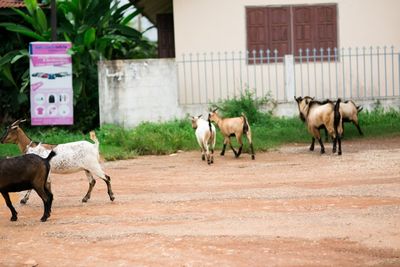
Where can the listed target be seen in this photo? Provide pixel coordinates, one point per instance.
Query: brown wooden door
(325, 27)
(280, 30)
(268, 28)
(166, 39)
(303, 25)
(257, 32)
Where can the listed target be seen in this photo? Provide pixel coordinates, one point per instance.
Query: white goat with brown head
(236, 126)
(206, 136)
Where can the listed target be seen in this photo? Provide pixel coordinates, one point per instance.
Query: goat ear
(199, 116)
(215, 109)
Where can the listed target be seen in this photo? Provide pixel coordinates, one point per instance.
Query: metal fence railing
(349, 73)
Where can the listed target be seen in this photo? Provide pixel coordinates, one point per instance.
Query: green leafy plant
(248, 104)
(97, 30)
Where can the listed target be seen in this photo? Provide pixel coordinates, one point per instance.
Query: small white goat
(71, 157)
(206, 136)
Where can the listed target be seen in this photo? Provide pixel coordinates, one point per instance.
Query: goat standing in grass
(317, 114)
(206, 136)
(350, 111)
(233, 127)
(71, 157)
(23, 173)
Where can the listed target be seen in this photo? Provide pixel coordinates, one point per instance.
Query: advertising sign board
(51, 83)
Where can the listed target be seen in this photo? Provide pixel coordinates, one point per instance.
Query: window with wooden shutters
(290, 28)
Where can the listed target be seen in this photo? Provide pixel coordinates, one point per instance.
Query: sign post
(51, 83)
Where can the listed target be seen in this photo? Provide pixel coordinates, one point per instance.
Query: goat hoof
(311, 149)
(340, 153)
(84, 199)
(23, 201)
(43, 219)
(13, 218)
(112, 198)
(253, 157)
(322, 152)
(203, 157)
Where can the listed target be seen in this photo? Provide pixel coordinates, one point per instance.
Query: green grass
(268, 133)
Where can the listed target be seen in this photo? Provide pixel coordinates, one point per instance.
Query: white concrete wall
(134, 91)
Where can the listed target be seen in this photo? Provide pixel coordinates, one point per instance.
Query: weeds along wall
(134, 91)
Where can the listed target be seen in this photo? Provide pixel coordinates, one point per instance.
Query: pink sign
(51, 83)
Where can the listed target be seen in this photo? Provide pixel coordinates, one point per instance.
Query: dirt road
(289, 207)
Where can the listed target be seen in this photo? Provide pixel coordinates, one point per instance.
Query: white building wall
(220, 25)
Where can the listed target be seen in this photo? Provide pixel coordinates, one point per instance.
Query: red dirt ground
(289, 207)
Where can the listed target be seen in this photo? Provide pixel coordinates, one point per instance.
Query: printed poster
(51, 83)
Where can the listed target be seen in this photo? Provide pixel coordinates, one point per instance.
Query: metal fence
(349, 73)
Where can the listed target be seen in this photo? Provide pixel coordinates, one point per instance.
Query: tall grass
(164, 138)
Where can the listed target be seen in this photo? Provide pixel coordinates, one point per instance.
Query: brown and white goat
(23, 173)
(350, 111)
(71, 157)
(322, 114)
(206, 136)
(236, 126)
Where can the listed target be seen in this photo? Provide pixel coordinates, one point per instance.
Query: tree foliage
(97, 29)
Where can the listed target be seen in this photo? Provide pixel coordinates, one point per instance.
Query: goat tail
(50, 156)
(94, 138)
(337, 117)
(245, 124)
(209, 124)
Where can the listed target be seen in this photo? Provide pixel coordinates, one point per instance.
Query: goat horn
(200, 116)
(17, 122)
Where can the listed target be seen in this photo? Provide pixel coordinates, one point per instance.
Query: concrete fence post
(289, 78)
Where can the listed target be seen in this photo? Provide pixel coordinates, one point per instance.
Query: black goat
(26, 172)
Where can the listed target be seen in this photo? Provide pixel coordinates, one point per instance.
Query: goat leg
(234, 151)
(322, 146)
(252, 151)
(334, 145)
(89, 192)
(239, 151)
(223, 150)
(312, 144)
(109, 190)
(14, 213)
(47, 198)
(26, 197)
(340, 146)
(359, 129)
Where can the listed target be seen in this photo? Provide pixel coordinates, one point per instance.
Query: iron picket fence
(349, 73)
